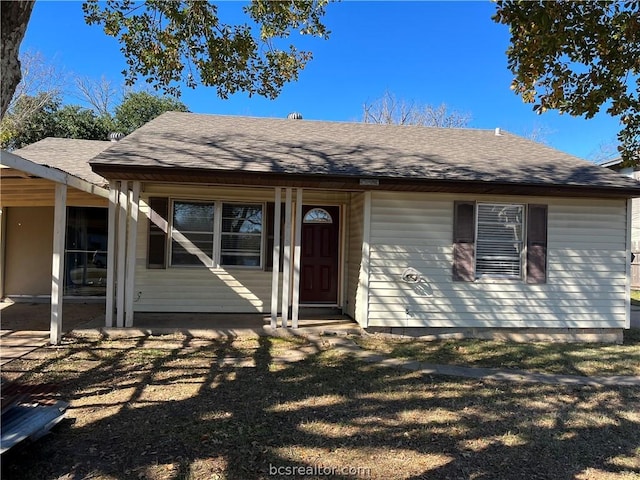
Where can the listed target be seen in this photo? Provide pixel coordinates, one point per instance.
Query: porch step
(313, 312)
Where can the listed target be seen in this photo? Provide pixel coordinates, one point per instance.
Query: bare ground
(178, 407)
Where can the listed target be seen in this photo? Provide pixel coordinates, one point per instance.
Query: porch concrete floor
(213, 325)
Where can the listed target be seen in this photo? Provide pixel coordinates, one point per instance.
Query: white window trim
(502, 277)
(217, 234)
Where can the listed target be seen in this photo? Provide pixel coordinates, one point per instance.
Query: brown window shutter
(268, 252)
(269, 219)
(158, 232)
(537, 244)
(464, 226)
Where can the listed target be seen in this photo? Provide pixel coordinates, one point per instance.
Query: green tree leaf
(169, 42)
(138, 108)
(578, 58)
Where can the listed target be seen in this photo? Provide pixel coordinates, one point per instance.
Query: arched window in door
(317, 215)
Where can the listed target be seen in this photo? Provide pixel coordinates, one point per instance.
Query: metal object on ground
(28, 412)
(29, 421)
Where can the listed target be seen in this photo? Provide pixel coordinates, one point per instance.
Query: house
(53, 220)
(404, 228)
(616, 165)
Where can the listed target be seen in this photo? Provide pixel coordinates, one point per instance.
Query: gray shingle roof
(67, 154)
(266, 145)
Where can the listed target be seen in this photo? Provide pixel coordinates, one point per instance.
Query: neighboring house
(406, 229)
(633, 172)
(53, 214)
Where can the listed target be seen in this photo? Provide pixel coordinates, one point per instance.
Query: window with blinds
(241, 239)
(499, 240)
(216, 233)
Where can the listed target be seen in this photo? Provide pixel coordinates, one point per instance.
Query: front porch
(203, 250)
(215, 325)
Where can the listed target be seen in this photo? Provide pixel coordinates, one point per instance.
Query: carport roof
(69, 155)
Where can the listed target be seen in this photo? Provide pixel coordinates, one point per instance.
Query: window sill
(217, 267)
(498, 280)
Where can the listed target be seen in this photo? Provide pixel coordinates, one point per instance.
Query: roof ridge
(339, 122)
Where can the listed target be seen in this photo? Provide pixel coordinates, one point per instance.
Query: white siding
(202, 289)
(354, 251)
(199, 289)
(635, 220)
(586, 267)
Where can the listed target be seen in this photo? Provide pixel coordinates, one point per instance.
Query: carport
(50, 177)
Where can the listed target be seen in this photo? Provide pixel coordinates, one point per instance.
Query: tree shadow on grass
(188, 408)
(585, 359)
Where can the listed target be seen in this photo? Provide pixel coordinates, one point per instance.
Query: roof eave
(358, 183)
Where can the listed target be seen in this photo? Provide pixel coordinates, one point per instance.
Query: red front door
(320, 246)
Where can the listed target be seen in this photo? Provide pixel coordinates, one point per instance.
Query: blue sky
(426, 52)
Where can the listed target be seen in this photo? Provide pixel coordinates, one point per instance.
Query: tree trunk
(15, 17)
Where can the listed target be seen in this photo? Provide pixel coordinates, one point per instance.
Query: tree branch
(15, 17)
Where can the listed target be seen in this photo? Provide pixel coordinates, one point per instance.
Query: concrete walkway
(334, 334)
(17, 343)
(24, 327)
(347, 346)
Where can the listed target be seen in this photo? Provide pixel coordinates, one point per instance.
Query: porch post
(121, 250)
(3, 247)
(286, 267)
(275, 276)
(132, 235)
(57, 266)
(296, 260)
(362, 297)
(111, 253)
(627, 286)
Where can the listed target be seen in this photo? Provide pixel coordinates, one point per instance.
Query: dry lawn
(588, 359)
(183, 408)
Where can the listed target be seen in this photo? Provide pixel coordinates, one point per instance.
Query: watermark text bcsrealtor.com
(299, 471)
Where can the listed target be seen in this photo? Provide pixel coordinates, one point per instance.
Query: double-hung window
(241, 238)
(192, 233)
(216, 233)
(499, 241)
(503, 241)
